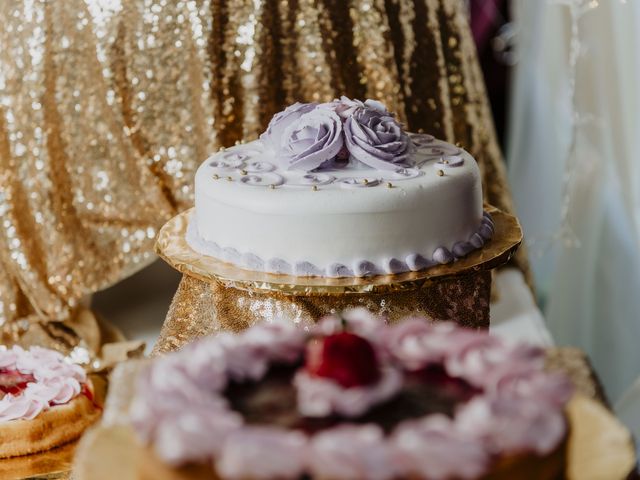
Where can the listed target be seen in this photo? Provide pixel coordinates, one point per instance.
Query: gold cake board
(599, 446)
(172, 246)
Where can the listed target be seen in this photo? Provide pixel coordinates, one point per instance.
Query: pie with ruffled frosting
(352, 397)
(45, 401)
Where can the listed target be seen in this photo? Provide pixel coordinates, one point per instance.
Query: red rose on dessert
(346, 358)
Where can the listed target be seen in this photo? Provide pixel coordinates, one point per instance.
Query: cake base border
(172, 247)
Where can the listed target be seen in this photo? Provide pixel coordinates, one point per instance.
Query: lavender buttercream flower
(372, 135)
(346, 107)
(315, 138)
(272, 137)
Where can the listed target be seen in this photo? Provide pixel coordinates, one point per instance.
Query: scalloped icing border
(362, 268)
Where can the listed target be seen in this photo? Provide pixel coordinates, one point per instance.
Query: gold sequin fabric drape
(201, 308)
(108, 107)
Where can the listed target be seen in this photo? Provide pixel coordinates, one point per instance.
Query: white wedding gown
(590, 288)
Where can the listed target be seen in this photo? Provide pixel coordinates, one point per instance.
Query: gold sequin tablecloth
(214, 295)
(107, 109)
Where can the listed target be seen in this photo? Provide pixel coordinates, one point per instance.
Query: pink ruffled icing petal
(433, 448)
(416, 343)
(12, 410)
(522, 382)
(510, 426)
(320, 397)
(353, 452)
(55, 381)
(66, 389)
(280, 341)
(8, 359)
(263, 453)
(194, 435)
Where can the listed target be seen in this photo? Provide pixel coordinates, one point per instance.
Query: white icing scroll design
(256, 166)
(402, 174)
(450, 161)
(266, 179)
(311, 179)
(353, 182)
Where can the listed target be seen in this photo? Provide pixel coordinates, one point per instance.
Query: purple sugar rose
(306, 135)
(272, 137)
(313, 139)
(373, 136)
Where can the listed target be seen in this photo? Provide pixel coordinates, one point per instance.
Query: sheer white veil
(574, 166)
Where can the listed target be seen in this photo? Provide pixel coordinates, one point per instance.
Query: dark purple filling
(272, 401)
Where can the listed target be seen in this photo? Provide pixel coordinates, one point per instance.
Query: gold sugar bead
(440, 173)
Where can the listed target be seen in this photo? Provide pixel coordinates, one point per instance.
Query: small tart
(54, 427)
(45, 401)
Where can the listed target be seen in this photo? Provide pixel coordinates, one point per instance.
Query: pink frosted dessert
(352, 397)
(45, 401)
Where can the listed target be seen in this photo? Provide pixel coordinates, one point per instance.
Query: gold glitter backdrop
(107, 107)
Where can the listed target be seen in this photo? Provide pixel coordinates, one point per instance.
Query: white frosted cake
(339, 189)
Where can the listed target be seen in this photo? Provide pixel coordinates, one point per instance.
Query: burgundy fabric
(487, 17)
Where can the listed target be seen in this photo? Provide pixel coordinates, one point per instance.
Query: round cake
(45, 401)
(352, 397)
(338, 189)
